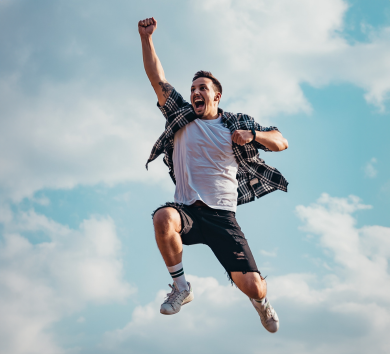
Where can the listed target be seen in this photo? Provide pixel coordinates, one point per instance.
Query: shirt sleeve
(174, 104)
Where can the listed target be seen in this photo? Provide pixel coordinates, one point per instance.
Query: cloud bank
(44, 281)
(345, 310)
(76, 107)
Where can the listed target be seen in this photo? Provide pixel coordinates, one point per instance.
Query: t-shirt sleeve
(174, 104)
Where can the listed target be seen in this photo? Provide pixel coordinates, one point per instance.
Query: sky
(79, 269)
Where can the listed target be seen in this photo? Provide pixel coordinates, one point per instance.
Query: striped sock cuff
(176, 274)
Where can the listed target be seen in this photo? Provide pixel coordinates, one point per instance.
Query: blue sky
(80, 271)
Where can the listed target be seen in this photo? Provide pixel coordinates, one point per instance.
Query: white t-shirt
(204, 163)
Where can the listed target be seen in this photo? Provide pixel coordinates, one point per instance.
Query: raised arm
(152, 64)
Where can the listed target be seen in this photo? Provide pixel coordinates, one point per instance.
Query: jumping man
(213, 159)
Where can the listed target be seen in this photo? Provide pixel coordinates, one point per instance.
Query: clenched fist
(147, 27)
(242, 137)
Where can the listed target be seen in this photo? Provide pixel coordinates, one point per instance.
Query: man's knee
(166, 220)
(257, 289)
(251, 283)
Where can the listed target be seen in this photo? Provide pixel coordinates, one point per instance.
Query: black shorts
(219, 230)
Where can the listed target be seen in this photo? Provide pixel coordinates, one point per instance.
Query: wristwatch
(254, 134)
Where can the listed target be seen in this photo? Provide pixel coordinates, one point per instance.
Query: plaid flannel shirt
(255, 178)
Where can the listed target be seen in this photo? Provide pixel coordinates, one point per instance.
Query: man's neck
(211, 116)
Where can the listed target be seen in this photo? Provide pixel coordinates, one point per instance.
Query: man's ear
(217, 96)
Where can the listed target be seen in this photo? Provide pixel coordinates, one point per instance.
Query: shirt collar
(222, 113)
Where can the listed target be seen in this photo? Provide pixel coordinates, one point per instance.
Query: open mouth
(199, 103)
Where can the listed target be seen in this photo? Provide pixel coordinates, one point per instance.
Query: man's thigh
(226, 239)
(189, 230)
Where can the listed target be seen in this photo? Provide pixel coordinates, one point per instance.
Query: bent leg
(251, 284)
(167, 227)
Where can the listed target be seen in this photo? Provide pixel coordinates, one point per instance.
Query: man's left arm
(272, 139)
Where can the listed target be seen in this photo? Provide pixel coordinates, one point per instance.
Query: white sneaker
(176, 299)
(267, 314)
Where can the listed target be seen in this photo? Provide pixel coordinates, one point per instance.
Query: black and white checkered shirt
(254, 177)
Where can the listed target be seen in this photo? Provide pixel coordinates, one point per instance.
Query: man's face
(204, 99)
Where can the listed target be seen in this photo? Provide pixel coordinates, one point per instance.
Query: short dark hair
(201, 73)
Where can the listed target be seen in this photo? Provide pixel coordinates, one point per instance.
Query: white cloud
(156, 332)
(270, 47)
(369, 170)
(41, 200)
(346, 310)
(66, 137)
(360, 283)
(43, 282)
(268, 253)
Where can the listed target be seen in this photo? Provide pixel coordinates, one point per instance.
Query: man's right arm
(152, 64)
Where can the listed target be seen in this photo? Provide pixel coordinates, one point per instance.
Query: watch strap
(254, 134)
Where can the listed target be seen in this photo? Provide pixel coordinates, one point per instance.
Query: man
(213, 160)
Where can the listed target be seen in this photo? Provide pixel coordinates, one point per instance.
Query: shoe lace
(269, 312)
(172, 295)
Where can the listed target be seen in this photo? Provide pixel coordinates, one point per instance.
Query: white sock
(261, 301)
(177, 274)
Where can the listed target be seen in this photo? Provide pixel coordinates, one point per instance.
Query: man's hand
(242, 137)
(147, 27)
